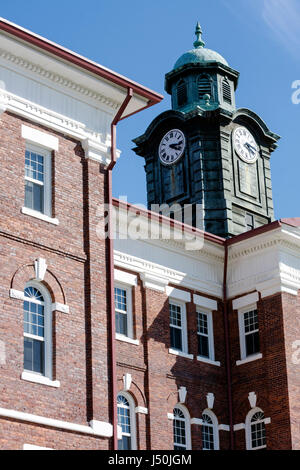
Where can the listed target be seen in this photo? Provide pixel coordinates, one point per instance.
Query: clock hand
(250, 148)
(175, 146)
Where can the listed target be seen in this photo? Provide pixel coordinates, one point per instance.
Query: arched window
(226, 89)
(204, 86)
(37, 330)
(126, 419)
(181, 428)
(210, 431)
(181, 93)
(256, 430)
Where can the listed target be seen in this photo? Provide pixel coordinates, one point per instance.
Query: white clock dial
(245, 145)
(171, 147)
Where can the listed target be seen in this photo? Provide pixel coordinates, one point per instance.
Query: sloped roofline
(78, 60)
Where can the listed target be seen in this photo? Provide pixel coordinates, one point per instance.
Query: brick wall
(76, 275)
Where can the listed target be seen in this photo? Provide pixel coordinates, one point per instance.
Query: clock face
(245, 145)
(171, 147)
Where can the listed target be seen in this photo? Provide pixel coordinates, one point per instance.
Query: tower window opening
(181, 93)
(204, 87)
(226, 91)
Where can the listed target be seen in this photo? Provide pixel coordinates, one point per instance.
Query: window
(251, 332)
(181, 93)
(123, 309)
(205, 335)
(178, 333)
(256, 430)
(210, 433)
(249, 219)
(38, 179)
(126, 419)
(37, 330)
(226, 91)
(181, 429)
(204, 87)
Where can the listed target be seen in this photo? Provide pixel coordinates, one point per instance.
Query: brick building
(186, 339)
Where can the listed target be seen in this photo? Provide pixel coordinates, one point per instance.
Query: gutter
(227, 346)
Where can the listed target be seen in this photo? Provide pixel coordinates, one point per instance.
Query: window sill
(208, 361)
(180, 353)
(39, 379)
(254, 357)
(39, 215)
(126, 339)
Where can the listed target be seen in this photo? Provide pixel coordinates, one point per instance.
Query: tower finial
(198, 33)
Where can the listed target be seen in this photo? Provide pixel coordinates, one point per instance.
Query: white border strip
(244, 301)
(178, 294)
(39, 137)
(103, 429)
(204, 302)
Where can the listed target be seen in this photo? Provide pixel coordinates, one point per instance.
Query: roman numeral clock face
(171, 147)
(245, 145)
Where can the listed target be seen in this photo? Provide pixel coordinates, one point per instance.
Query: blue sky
(142, 40)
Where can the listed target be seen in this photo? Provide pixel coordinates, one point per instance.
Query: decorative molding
(58, 79)
(125, 277)
(158, 276)
(141, 410)
(38, 137)
(127, 380)
(39, 379)
(105, 430)
(197, 421)
(210, 399)
(63, 308)
(182, 393)
(16, 294)
(208, 361)
(39, 215)
(224, 427)
(40, 267)
(239, 427)
(252, 358)
(91, 140)
(154, 282)
(252, 399)
(205, 302)
(126, 339)
(244, 301)
(180, 353)
(178, 294)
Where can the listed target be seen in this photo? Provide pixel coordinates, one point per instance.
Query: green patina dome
(200, 54)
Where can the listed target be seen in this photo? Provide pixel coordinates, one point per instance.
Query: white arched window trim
(132, 405)
(248, 428)
(214, 419)
(187, 424)
(48, 329)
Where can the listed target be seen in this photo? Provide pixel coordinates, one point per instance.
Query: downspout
(111, 300)
(227, 347)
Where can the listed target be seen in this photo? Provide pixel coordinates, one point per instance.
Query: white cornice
(57, 79)
(91, 140)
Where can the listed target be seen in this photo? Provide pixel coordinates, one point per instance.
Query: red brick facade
(76, 276)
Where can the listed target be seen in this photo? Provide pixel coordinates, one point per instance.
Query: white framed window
(38, 184)
(205, 334)
(178, 326)
(127, 421)
(256, 430)
(210, 431)
(249, 332)
(123, 310)
(181, 428)
(37, 316)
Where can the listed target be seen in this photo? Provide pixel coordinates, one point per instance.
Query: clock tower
(207, 153)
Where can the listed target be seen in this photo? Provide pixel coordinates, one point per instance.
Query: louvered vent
(204, 87)
(227, 92)
(181, 94)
